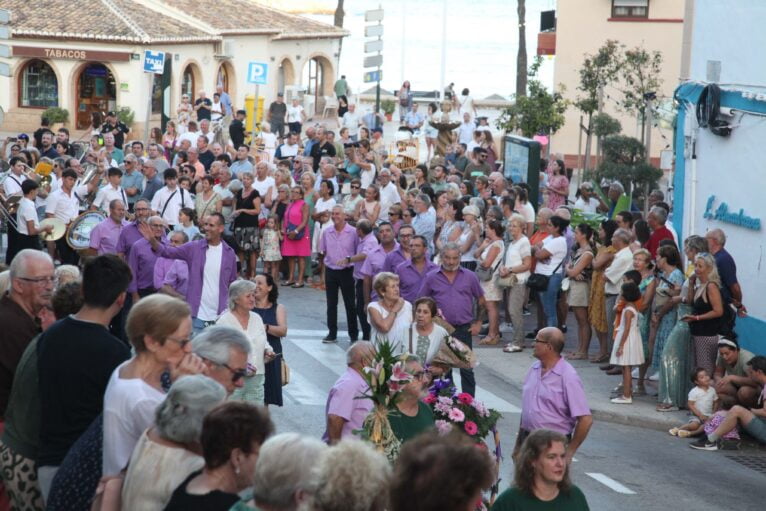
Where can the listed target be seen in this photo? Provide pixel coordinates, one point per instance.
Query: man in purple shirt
(171, 276)
(367, 243)
(553, 396)
(402, 252)
(212, 267)
(345, 411)
(455, 289)
(412, 271)
(105, 236)
(339, 244)
(130, 233)
(375, 259)
(141, 261)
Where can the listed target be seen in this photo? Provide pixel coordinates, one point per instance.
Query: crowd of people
(166, 349)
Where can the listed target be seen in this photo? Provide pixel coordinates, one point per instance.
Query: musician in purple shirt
(553, 396)
(373, 264)
(130, 233)
(412, 271)
(454, 289)
(339, 244)
(105, 236)
(212, 267)
(367, 243)
(171, 276)
(142, 258)
(400, 253)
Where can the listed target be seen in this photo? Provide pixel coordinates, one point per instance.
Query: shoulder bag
(285, 371)
(509, 281)
(486, 274)
(539, 282)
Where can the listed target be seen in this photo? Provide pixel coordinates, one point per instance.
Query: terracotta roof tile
(103, 20)
(246, 16)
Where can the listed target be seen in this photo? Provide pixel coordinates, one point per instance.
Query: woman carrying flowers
(412, 416)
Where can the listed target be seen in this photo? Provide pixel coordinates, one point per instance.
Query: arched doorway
(286, 75)
(225, 78)
(317, 78)
(191, 82)
(38, 85)
(96, 92)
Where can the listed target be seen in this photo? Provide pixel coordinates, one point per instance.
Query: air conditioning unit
(226, 49)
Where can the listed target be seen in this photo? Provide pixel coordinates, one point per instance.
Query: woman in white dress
(269, 141)
(423, 336)
(169, 450)
(240, 315)
(391, 314)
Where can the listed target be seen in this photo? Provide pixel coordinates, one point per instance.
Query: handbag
(285, 370)
(565, 284)
(506, 282)
(539, 282)
(293, 227)
(486, 274)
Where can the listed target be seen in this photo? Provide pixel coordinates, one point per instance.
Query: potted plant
(388, 106)
(56, 116)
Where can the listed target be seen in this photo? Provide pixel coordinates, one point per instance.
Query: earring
(236, 470)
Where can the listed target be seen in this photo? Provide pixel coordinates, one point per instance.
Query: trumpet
(41, 173)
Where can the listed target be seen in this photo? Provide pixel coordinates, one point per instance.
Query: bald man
(346, 409)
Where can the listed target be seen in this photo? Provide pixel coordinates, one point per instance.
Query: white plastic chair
(330, 103)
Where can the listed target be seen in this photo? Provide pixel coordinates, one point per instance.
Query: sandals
(489, 341)
(577, 356)
(600, 359)
(288, 283)
(512, 348)
(666, 408)
(297, 286)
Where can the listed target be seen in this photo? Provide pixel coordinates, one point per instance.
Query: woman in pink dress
(297, 242)
(558, 186)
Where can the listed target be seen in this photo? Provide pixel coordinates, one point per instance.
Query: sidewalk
(513, 367)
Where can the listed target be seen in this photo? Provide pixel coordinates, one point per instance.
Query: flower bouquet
(454, 353)
(453, 410)
(386, 378)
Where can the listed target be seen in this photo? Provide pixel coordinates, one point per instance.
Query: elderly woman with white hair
(67, 273)
(390, 316)
(224, 351)
(169, 450)
(240, 316)
(284, 473)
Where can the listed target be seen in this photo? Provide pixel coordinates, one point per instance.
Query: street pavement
(628, 462)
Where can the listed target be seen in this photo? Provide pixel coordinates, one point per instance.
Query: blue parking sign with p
(154, 61)
(257, 72)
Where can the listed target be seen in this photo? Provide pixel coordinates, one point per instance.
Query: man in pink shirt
(104, 237)
(345, 410)
(553, 396)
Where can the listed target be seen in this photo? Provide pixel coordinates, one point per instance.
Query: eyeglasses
(541, 341)
(421, 375)
(355, 186)
(181, 342)
(158, 226)
(40, 280)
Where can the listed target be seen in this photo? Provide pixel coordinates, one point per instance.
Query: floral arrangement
(453, 410)
(386, 378)
(454, 353)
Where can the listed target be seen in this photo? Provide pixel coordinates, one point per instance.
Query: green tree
(639, 81)
(537, 111)
(625, 161)
(597, 71)
(604, 125)
(338, 22)
(521, 56)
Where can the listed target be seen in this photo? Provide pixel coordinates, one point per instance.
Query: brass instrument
(41, 173)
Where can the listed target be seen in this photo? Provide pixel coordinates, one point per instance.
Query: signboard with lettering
(373, 76)
(257, 72)
(70, 54)
(723, 214)
(154, 61)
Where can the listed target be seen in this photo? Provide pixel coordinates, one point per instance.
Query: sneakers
(506, 327)
(622, 400)
(532, 334)
(703, 444)
(329, 339)
(655, 377)
(512, 348)
(634, 374)
(526, 312)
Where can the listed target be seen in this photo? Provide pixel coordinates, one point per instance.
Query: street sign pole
(154, 63)
(376, 60)
(257, 73)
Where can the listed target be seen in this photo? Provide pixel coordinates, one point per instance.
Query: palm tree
(521, 58)
(338, 22)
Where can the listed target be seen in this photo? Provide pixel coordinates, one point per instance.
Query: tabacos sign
(723, 214)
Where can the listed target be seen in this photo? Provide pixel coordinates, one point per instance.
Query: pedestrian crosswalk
(333, 358)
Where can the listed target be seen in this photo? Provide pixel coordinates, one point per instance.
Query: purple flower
(442, 408)
(443, 427)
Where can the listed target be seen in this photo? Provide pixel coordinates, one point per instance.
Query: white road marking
(296, 332)
(333, 357)
(610, 483)
(303, 391)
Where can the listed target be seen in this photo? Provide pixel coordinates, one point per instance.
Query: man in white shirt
(27, 224)
(389, 193)
(12, 183)
(64, 204)
(587, 202)
(204, 131)
(352, 121)
(112, 191)
(289, 149)
(264, 183)
(222, 189)
(241, 163)
(169, 199)
(191, 135)
(465, 130)
(622, 262)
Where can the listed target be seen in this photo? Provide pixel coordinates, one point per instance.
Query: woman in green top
(541, 480)
(412, 416)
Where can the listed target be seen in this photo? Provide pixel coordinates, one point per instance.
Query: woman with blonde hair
(706, 319)
(517, 261)
(240, 315)
(390, 315)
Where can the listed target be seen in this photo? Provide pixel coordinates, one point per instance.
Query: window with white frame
(630, 8)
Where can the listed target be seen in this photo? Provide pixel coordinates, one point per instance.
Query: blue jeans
(199, 325)
(549, 298)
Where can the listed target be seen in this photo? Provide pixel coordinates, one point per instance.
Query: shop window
(157, 94)
(39, 86)
(630, 8)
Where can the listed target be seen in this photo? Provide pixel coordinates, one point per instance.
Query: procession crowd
(139, 368)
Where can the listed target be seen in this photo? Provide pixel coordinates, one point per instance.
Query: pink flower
(456, 415)
(399, 374)
(429, 399)
(445, 400)
(394, 387)
(443, 427)
(471, 428)
(442, 408)
(465, 398)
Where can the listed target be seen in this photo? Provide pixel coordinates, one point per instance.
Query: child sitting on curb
(701, 402)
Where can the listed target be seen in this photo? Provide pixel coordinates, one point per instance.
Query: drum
(78, 234)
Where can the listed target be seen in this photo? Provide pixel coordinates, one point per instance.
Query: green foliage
(388, 106)
(640, 74)
(126, 115)
(56, 114)
(605, 125)
(625, 161)
(597, 71)
(538, 111)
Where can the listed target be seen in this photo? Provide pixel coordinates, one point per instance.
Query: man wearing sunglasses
(553, 396)
(224, 351)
